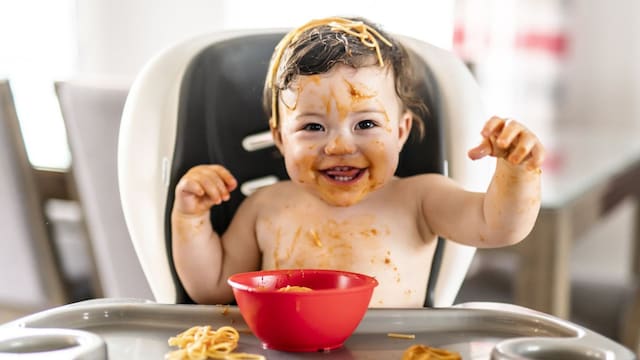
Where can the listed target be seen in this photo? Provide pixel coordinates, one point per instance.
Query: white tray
(139, 329)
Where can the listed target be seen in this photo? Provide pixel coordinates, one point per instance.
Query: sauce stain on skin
(333, 107)
(342, 108)
(328, 244)
(276, 262)
(357, 94)
(315, 238)
(378, 145)
(196, 227)
(289, 97)
(390, 264)
(370, 232)
(316, 78)
(305, 168)
(288, 251)
(299, 86)
(387, 120)
(339, 147)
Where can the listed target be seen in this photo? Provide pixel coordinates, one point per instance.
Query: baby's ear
(404, 127)
(277, 136)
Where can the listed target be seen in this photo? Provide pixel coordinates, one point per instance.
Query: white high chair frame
(144, 162)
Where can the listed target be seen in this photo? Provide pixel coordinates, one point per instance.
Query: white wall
(116, 37)
(602, 89)
(602, 78)
(36, 45)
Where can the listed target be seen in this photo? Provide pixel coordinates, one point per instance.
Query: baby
(342, 105)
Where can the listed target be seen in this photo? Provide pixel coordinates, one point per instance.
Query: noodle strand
(201, 342)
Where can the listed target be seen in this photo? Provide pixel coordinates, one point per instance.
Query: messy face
(341, 132)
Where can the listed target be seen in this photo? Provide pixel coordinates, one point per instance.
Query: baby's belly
(402, 271)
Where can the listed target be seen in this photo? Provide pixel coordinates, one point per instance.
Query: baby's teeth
(343, 178)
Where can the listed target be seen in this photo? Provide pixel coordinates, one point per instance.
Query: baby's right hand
(202, 187)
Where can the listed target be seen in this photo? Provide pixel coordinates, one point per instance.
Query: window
(37, 47)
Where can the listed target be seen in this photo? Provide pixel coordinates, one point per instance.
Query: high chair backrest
(199, 102)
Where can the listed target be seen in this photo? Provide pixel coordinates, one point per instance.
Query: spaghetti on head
(367, 35)
(317, 46)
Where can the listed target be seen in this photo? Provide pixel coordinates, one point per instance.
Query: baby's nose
(340, 145)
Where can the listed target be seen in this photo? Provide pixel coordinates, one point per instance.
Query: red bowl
(317, 320)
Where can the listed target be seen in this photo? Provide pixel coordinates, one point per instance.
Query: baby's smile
(344, 175)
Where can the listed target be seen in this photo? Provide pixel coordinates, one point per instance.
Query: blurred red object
(317, 320)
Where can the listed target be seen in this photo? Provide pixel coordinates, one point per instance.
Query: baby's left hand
(510, 140)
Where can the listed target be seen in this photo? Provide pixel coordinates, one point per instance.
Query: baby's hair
(317, 46)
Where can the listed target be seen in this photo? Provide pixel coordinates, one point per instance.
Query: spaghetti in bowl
(302, 310)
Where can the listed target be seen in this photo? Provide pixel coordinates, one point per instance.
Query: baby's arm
(506, 213)
(199, 254)
(512, 201)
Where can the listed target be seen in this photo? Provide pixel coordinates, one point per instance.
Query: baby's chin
(340, 198)
(342, 202)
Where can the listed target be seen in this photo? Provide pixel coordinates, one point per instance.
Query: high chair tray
(139, 329)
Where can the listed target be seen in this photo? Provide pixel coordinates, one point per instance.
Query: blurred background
(568, 69)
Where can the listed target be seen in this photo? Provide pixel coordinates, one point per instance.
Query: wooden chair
(91, 110)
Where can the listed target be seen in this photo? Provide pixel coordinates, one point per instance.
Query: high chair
(199, 102)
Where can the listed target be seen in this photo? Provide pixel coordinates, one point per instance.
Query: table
(591, 171)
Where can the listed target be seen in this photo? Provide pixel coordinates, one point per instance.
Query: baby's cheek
(302, 167)
(383, 162)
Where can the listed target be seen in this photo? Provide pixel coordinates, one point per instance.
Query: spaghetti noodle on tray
(201, 343)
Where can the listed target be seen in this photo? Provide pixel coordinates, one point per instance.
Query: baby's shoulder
(416, 187)
(265, 198)
(273, 192)
(415, 182)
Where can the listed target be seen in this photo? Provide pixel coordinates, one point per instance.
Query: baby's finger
(215, 188)
(190, 186)
(223, 190)
(509, 133)
(229, 181)
(480, 151)
(525, 143)
(493, 126)
(537, 157)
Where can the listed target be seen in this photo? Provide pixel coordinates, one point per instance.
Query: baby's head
(316, 47)
(342, 103)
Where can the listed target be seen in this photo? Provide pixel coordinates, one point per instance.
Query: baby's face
(341, 132)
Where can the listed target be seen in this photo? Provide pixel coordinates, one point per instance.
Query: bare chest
(381, 239)
(298, 238)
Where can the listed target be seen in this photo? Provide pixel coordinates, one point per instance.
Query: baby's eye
(366, 124)
(313, 127)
